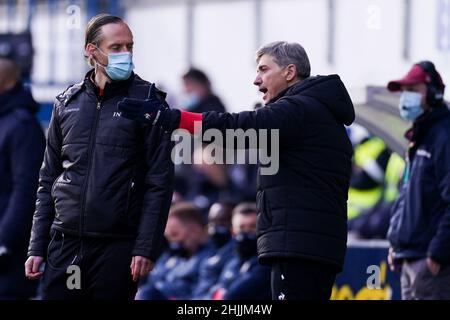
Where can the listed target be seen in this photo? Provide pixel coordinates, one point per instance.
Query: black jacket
(22, 144)
(303, 207)
(103, 175)
(420, 223)
(210, 103)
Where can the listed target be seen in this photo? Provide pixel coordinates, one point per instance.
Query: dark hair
(197, 75)
(187, 213)
(94, 27)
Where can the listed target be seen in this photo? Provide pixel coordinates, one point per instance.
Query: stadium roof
(381, 117)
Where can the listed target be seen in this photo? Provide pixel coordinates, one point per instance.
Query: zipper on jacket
(130, 190)
(90, 149)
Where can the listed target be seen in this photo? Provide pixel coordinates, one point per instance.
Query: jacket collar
(286, 91)
(424, 123)
(111, 89)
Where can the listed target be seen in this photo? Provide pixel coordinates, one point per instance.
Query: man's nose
(257, 81)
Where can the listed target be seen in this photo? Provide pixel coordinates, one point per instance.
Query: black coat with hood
(103, 175)
(22, 145)
(303, 207)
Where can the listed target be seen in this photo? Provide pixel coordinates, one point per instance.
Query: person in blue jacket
(187, 238)
(22, 145)
(219, 230)
(419, 230)
(168, 260)
(242, 277)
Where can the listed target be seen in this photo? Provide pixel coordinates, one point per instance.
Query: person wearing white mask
(105, 186)
(419, 231)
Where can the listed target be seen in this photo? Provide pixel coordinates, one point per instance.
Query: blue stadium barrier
(366, 274)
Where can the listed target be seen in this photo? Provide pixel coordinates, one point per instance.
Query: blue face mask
(410, 105)
(190, 101)
(120, 65)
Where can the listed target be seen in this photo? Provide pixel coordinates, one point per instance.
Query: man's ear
(89, 50)
(291, 72)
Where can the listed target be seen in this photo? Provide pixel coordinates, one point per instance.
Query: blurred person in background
(370, 160)
(197, 183)
(242, 277)
(219, 223)
(209, 182)
(219, 231)
(374, 185)
(106, 183)
(199, 96)
(22, 145)
(172, 255)
(190, 180)
(187, 238)
(302, 221)
(419, 231)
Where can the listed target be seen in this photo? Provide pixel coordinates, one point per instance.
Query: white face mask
(410, 105)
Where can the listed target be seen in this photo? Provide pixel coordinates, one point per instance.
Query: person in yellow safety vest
(369, 171)
(374, 222)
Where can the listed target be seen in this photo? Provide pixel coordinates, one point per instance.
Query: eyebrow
(262, 66)
(120, 44)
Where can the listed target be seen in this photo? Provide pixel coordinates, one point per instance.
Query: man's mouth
(264, 91)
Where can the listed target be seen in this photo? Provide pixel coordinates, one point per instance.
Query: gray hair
(285, 53)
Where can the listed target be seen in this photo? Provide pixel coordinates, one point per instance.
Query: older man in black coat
(302, 220)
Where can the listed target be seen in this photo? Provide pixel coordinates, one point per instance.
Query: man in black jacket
(302, 224)
(419, 231)
(22, 145)
(106, 182)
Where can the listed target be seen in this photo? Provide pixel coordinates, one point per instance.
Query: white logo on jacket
(72, 110)
(423, 153)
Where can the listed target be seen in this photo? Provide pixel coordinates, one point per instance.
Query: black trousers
(302, 279)
(103, 267)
